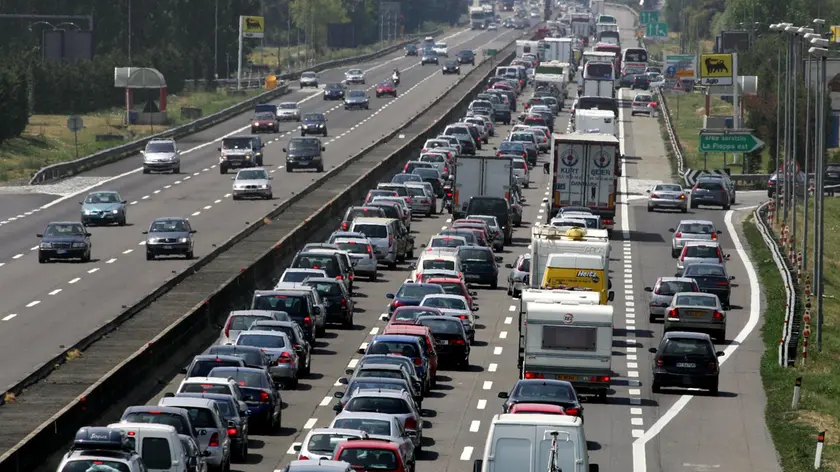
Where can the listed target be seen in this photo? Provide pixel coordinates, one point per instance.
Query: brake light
(459, 342)
(307, 321)
(723, 284)
(446, 169)
(673, 313)
(524, 154)
(345, 226)
(343, 302)
(418, 361)
(463, 317)
(338, 277)
(303, 458)
(653, 195)
(369, 249)
(714, 237)
(448, 194)
(659, 362)
(572, 411)
(408, 200)
(534, 375)
(398, 303)
(411, 423)
(390, 240)
(677, 234)
(718, 315)
(227, 328)
(285, 358)
(231, 431)
(214, 440)
(682, 255)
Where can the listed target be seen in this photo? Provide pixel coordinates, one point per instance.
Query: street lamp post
(793, 31)
(216, 41)
(129, 32)
(807, 35)
(778, 28)
(820, 51)
(786, 157)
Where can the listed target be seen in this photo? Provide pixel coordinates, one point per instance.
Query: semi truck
(478, 18)
(480, 176)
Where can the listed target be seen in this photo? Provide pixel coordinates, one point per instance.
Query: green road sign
(647, 17)
(656, 30)
(731, 142)
(490, 52)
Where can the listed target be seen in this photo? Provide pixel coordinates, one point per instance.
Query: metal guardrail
(672, 135)
(62, 170)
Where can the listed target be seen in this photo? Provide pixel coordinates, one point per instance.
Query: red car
(375, 454)
(407, 315)
(264, 123)
(427, 340)
(537, 408)
(386, 88)
(454, 287)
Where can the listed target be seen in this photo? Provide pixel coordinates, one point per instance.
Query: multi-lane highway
(46, 307)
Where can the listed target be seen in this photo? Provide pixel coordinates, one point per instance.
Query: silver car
(397, 403)
(320, 443)
(169, 236)
(309, 79)
(161, 155)
(206, 419)
(519, 275)
(354, 76)
(422, 199)
(699, 312)
(288, 111)
(381, 425)
(100, 208)
(495, 229)
(283, 359)
(357, 99)
(664, 290)
(250, 183)
(670, 196)
(362, 256)
(691, 230)
(241, 320)
(698, 252)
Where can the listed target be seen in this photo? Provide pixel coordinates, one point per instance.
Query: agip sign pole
(249, 27)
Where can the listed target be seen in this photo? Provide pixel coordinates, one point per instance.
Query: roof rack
(102, 439)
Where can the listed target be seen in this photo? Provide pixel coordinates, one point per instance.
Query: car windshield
(440, 264)
(688, 347)
(709, 186)
(674, 286)
(369, 458)
(308, 74)
(704, 270)
(168, 226)
(237, 143)
(451, 288)
(333, 87)
(667, 188)
(443, 326)
(417, 290)
(543, 391)
(412, 314)
(696, 228)
(511, 146)
(370, 426)
(264, 116)
(416, 191)
(695, 300)
(251, 174)
(357, 94)
(287, 106)
(298, 275)
(448, 242)
(102, 198)
(313, 117)
(242, 377)
(260, 340)
(443, 302)
(326, 443)
(160, 147)
(304, 143)
(702, 252)
(371, 230)
(95, 465)
(325, 262)
(293, 305)
(65, 229)
(390, 406)
(475, 255)
(202, 368)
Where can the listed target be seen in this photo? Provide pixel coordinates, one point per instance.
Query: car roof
(443, 280)
(685, 335)
(445, 295)
(265, 333)
(705, 222)
(220, 357)
(255, 370)
(369, 444)
(378, 392)
(375, 366)
(208, 380)
(190, 402)
(366, 415)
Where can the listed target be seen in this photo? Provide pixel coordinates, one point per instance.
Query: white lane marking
(512, 308)
(633, 374)
(639, 456)
(127, 251)
(156, 191)
(637, 421)
(363, 347)
(631, 357)
(217, 201)
(195, 173)
(635, 411)
(637, 433)
(208, 207)
(475, 426)
(141, 243)
(32, 303)
(196, 213)
(33, 248)
(8, 317)
(17, 256)
(492, 367)
(310, 423)
(466, 454)
(177, 182)
(72, 281)
(508, 319)
(93, 270)
(111, 261)
(497, 351)
(167, 186)
(503, 335)
(353, 363)
(145, 197)
(291, 449)
(482, 404)
(325, 401)
(227, 195)
(488, 384)
(635, 391)
(374, 331)
(632, 365)
(55, 292)
(133, 203)
(2, 264)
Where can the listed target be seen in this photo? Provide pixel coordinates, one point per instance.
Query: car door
(432, 352)
(406, 446)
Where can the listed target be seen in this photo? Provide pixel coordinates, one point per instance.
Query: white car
(252, 183)
(493, 27)
(657, 81)
(320, 443)
(441, 49)
(640, 104)
(354, 76)
(288, 111)
(520, 172)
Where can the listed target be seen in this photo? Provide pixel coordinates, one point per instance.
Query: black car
(263, 399)
(313, 123)
(451, 341)
(641, 82)
(202, 364)
(549, 392)
(296, 336)
(336, 299)
(411, 50)
(330, 262)
(451, 67)
(253, 356)
(293, 302)
(626, 80)
(479, 265)
(64, 240)
(411, 294)
(711, 278)
(686, 360)
(305, 153)
(334, 92)
(429, 57)
(465, 56)
(493, 206)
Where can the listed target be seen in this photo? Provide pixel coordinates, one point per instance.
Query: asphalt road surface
(47, 307)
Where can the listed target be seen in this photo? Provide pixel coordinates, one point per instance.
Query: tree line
(177, 37)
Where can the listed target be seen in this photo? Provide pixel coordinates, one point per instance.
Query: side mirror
(124, 202)
(473, 294)
(389, 296)
(509, 266)
(672, 230)
(144, 232)
(652, 350)
(337, 408)
(144, 152)
(39, 235)
(342, 381)
(475, 308)
(647, 191)
(719, 232)
(296, 447)
(168, 395)
(192, 231)
(338, 394)
(503, 395)
(348, 371)
(262, 145)
(88, 234)
(219, 149)
(495, 148)
(720, 353)
(233, 178)
(243, 407)
(284, 150)
(648, 289)
(545, 200)
(611, 296)
(205, 453)
(81, 203)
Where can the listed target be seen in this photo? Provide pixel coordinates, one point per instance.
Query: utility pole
(779, 170)
(216, 41)
(807, 35)
(786, 180)
(794, 130)
(820, 51)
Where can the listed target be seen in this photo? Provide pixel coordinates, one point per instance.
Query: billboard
(68, 45)
(734, 41)
(683, 66)
(252, 26)
(716, 69)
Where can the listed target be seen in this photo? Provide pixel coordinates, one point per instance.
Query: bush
(14, 101)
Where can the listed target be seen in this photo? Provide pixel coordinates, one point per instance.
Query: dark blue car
(411, 294)
(334, 92)
(263, 400)
(407, 346)
(64, 240)
(313, 123)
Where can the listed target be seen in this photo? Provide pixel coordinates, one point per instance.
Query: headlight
(115, 211)
(87, 212)
(152, 241)
(46, 245)
(264, 186)
(79, 244)
(183, 240)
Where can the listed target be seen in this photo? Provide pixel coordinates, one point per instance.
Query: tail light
(673, 313)
(572, 411)
(398, 303)
(307, 321)
(390, 240)
(459, 342)
(343, 302)
(256, 123)
(653, 195)
(285, 358)
(682, 196)
(264, 397)
(345, 226)
(418, 361)
(214, 440)
(369, 249)
(713, 367)
(534, 375)
(723, 284)
(227, 329)
(339, 277)
(718, 315)
(659, 362)
(714, 237)
(231, 432)
(408, 200)
(524, 154)
(411, 423)
(303, 458)
(463, 317)
(682, 255)
(677, 234)
(603, 378)
(448, 194)
(609, 222)
(446, 169)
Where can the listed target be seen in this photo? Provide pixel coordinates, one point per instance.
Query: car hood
(101, 206)
(176, 234)
(242, 183)
(353, 76)
(313, 123)
(288, 112)
(356, 99)
(450, 66)
(160, 156)
(63, 239)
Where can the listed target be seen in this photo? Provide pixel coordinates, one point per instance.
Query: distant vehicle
(171, 236)
(64, 240)
(102, 208)
(309, 79)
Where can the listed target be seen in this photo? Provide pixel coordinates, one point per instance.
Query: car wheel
(320, 168)
(146, 171)
(42, 259)
(713, 388)
(649, 208)
(684, 210)
(86, 257)
(122, 221)
(675, 253)
(374, 276)
(651, 318)
(494, 285)
(235, 197)
(411, 254)
(222, 170)
(150, 256)
(189, 255)
(270, 196)
(307, 368)
(726, 207)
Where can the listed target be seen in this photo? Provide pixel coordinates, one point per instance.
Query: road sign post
(75, 124)
(648, 16)
(717, 69)
(249, 27)
(656, 30)
(491, 53)
(736, 141)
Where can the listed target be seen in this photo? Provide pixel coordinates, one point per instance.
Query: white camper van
(530, 442)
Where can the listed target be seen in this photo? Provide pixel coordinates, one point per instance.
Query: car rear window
(371, 230)
(297, 276)
(389, 406)
(475, 255)
(534, 121)
(243, 322)
(205, 388)
(569, 338)
(156, 453)
(687, 347)
(704, 270)
(370, 459)
(446, 303)
(709, 186)
(672, 287)
(294, 305)
(202, 368)
(86, 465)
(157, 418)
(379, 427)
(326, 443)
(532, 391)
(412, 314)
(435, 264)
(325, 262)
(451, 288)
(243, 378)
(201, 417)
(447, 242)
(260, 340)
(401, 191)
(525, 265)
(695, 228)
(437, 326)
(328, 289)
(696, 300)
(416, 192)
(394, 347)
(704, 252)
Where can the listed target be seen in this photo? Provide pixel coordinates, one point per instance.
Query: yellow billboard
(252, 26)
(716, 69)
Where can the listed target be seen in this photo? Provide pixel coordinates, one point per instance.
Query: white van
(517, 440)
(158, 444)
(382, 233)
(596, 121)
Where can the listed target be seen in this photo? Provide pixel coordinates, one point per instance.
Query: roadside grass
(47, 140)
(795, 432)
(686, 111)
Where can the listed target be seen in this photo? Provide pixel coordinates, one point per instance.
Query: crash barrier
(63, 170)
(230, 280)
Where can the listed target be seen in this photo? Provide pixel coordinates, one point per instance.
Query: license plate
(471, 277)
(167, 247)
(567, 377)
(686, 365)
(61, 251)
(443, 342)
(697, 313)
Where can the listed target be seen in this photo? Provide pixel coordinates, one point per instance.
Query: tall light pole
(216, 41)
(807, 35)
(129, 32)
(778, 28)
(793, 31)
(820, 51)
(786, 165)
